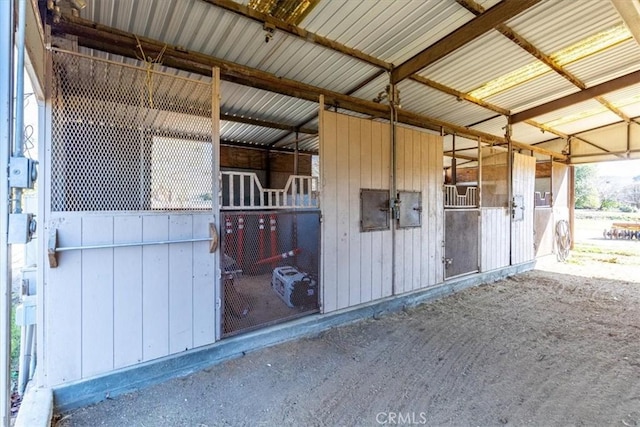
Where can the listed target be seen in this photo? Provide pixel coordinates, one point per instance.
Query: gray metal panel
(461, 242)
(374, 210)
(410, 209)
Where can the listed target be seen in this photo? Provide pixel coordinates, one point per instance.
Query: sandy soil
(559, 345)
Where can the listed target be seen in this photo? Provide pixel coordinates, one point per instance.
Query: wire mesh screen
(270, 267)
(127, 138)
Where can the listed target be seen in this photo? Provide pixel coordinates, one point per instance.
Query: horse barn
(217, 176)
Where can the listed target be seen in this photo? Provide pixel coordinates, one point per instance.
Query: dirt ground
(559, 345)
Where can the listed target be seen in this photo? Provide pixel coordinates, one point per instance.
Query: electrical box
(375, 210)
(22, 226)
(410, 207)
(22, 172)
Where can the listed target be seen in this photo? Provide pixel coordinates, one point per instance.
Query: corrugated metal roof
(610, 64)
(475, 63)
(552, 25)
(257, 103)
(394, 31)
(537, 91)
(597, 120)
(424, 100)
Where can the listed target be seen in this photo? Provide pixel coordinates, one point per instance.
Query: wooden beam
(294, 30)
(574, 98)
(107, 39)
(415, 119)
(488, 20)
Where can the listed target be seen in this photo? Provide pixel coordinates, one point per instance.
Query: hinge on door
(218, 303)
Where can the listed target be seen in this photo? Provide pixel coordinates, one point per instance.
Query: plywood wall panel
(355, 249)
(155, 288)
(329, 194)
(63, 299)
(127, 292)
(180, 284)
(97, 296)
(204, 294)
(366, 239)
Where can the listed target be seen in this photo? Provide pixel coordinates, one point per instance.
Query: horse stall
(162, 238)
(270, 251)
(461, 220)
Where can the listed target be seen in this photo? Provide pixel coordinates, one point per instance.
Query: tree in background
(586, 191)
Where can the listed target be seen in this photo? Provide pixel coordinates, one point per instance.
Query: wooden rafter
(486, 21)
(107, 39)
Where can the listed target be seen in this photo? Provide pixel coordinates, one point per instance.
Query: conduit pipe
(6, 139)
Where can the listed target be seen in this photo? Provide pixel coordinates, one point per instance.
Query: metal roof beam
(106, 39)
(575, 98)
(488, 20)
(294, 30)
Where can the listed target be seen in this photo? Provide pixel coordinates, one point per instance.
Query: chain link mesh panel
(127, 138)
(270, 267)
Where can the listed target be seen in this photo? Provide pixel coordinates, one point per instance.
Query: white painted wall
(116, 307)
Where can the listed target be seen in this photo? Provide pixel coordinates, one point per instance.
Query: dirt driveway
(545, 348)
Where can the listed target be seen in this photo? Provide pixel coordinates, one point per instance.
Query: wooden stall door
(522, 238)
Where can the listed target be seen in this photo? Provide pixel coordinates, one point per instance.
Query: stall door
(461, 242)
(522, 209)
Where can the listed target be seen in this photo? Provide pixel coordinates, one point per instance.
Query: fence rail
(452, 199)
(242, 190)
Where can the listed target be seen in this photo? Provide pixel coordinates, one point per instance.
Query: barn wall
(494, 238)
(357, 266)
(419, 250)
(273, 169)
(110, 308)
